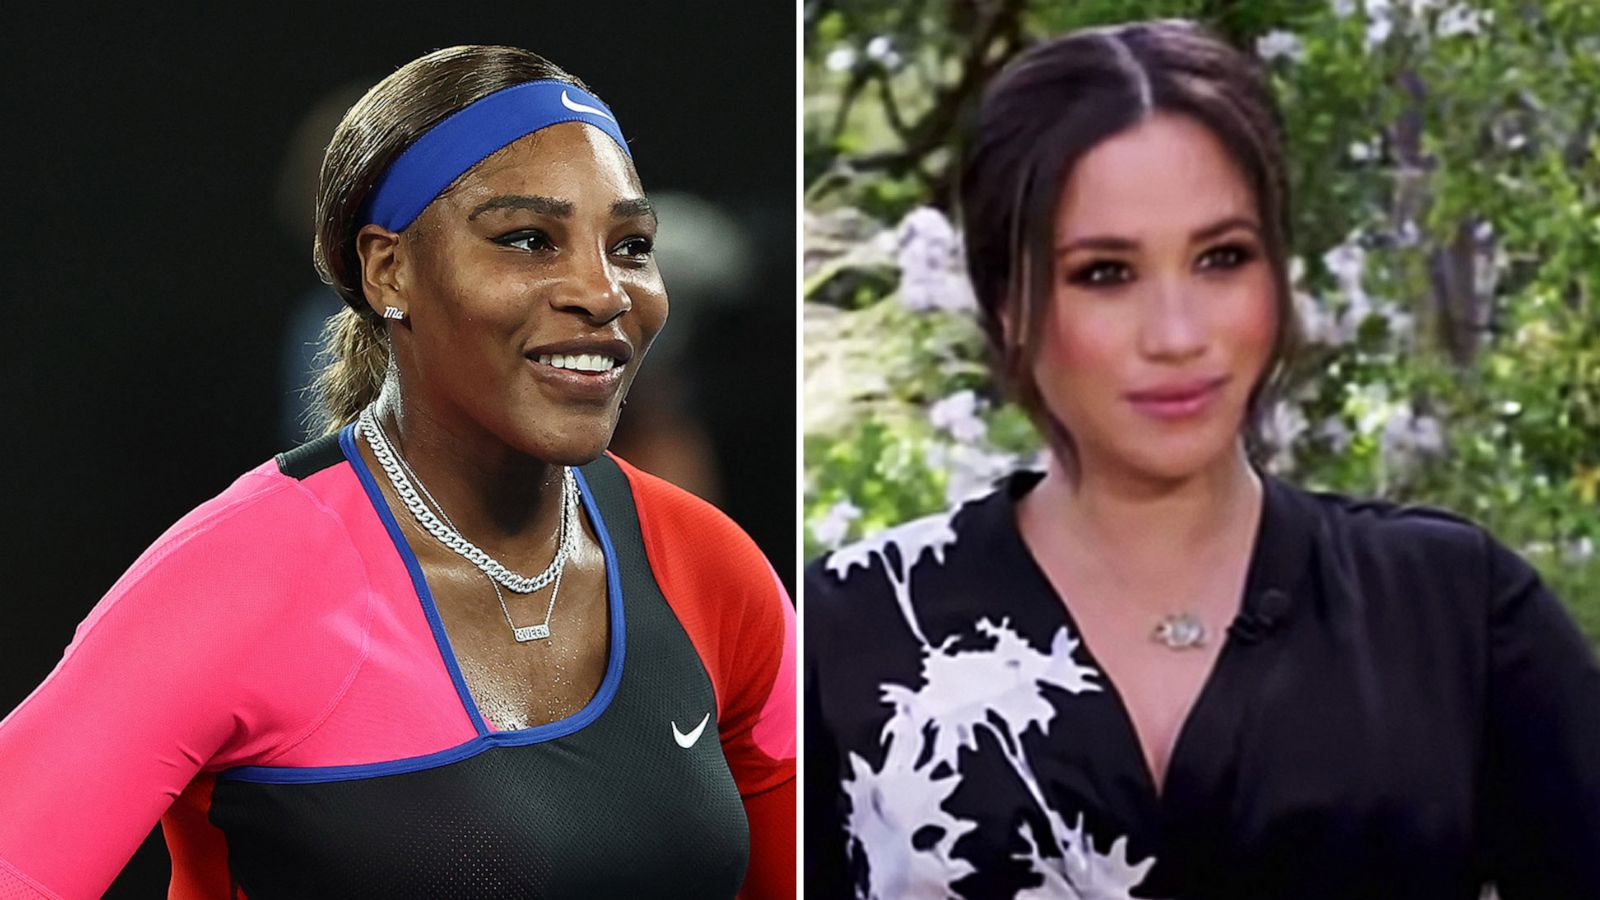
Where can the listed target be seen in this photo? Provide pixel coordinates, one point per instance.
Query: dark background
(146, 282)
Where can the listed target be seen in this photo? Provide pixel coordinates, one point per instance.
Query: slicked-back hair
(1053, 104)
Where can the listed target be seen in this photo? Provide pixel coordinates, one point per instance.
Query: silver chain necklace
(527, 632)
(397, 469)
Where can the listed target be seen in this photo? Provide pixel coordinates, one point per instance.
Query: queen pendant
(532, 632)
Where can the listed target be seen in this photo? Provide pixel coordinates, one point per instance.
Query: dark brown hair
(379, 127)
(1055, 103)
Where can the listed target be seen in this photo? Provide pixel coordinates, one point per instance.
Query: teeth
(582, 362)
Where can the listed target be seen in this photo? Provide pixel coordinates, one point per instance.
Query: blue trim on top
(347, 443)
(485, 738)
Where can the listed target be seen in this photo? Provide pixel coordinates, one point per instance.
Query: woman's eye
(1227, 256)
(638, 246)
(531, 241)
(1102, 273)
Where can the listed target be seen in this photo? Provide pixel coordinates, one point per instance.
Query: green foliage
(1445, 170)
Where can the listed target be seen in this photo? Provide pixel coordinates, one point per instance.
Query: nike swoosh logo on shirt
(575, 106)
(687, 740)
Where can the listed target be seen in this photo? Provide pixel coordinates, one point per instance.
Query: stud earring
(394, 312)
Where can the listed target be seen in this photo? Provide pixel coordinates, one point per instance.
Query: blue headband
(468, 136)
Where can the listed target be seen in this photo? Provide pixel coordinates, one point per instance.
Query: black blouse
(1400, 710)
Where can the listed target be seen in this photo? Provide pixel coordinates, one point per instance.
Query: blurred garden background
(1446, 192)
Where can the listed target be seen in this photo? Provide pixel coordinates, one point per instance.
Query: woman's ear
(382, 270)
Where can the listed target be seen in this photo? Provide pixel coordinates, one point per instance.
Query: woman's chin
(1175, 460)
(573, 452)
(571, 443)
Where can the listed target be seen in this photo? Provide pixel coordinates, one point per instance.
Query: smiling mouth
(578, 362)
(584, 378)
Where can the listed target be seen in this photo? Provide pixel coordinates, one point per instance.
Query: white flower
(1461, 19)
(1320, 325)
(963, 689)
(999, 685)
(1361, 152)
(840, 59)
(958, 414)
(1370, 406)
(1344, 8)
(887, 807)
(972, 472)
(1402, 325)
(1277, 44)
(1358, 307)
(1407, 437)
(929, 257)
(1408, 234)
(881, 51)
(926, 237)
(1078, 871)
(1335, 432)
(931, 535)
(1580, 550)
(1427, 435)
(1379, 27)
(1346, 262)
(831, 528)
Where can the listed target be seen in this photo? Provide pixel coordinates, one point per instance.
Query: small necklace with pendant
(1180, 631)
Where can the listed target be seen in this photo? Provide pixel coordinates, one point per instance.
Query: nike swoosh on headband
(575, 106)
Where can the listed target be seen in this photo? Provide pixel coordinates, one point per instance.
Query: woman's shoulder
(718, 584)
(251, 610)
(1431, 557)
(263, 506)
(1406, 531)
(946, 546)
(689, 541)
(262, 539)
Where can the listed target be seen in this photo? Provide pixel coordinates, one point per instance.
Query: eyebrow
(560, 209)
(637, 207)
(1122, 244)
(548, 206)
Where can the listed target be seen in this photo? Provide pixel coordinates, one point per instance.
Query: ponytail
(355, 355)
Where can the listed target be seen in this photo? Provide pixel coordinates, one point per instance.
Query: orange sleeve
(741, 622)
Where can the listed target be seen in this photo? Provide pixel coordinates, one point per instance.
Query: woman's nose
(1172, 328)
(591, 288)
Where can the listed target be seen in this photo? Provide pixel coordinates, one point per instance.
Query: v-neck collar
(1279, 561)
(615, 613)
